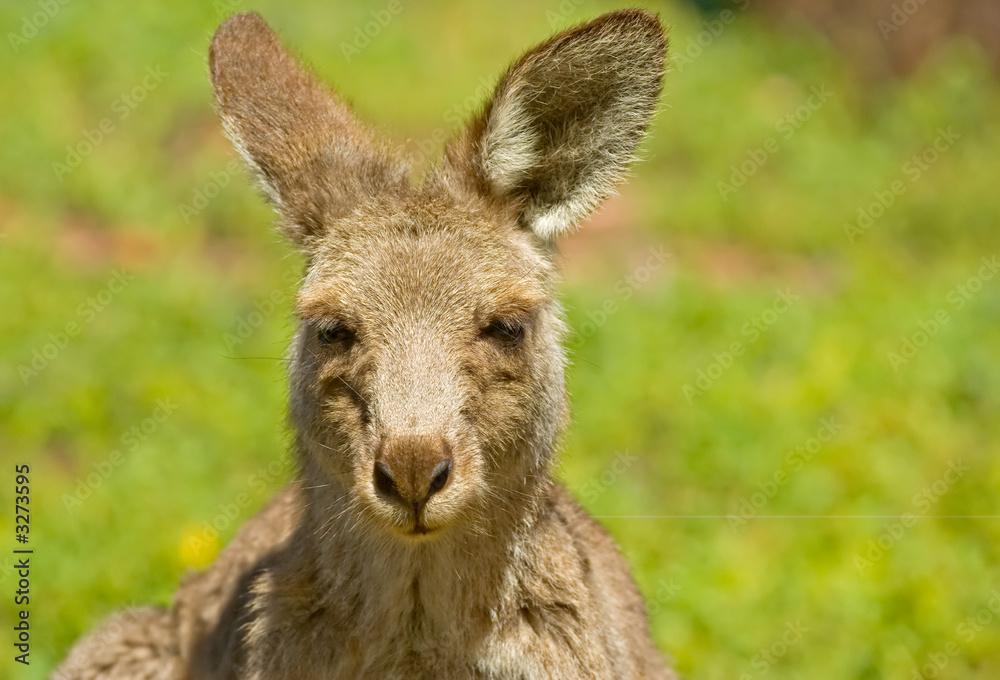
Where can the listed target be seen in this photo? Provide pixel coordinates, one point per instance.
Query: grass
(676, 431)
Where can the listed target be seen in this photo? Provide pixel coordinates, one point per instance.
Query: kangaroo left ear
(311, 155)
(565, 121)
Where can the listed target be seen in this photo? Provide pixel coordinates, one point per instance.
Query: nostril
(384, 483)
(439, 476)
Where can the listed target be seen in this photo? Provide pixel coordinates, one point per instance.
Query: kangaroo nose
(411, 469)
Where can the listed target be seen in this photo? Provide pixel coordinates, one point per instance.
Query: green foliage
(699, 393)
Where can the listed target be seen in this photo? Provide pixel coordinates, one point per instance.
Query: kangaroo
(424, 536)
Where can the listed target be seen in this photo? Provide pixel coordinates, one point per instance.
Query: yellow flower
(198, 546)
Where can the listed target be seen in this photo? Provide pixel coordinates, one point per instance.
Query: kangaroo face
(427, 383)
(428, 338)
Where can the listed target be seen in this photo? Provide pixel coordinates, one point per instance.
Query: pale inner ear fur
(566, 121)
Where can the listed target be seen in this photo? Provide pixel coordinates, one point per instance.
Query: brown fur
(426, 537)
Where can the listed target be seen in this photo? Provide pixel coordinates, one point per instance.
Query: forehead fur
(397, 257)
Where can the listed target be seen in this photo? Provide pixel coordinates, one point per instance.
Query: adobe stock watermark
(557, 17)
(263, 309)
(965, 632)
(595, 488)
(624, 289)
(785, 127)
(913, 169)
(923, 502)
(224, 8)
(899, 14)
(205, 194)
(121, 108)
(129, 442)
(769, 656)
(251, 321)
(34, 22)
(712, 30)
(6, 569)
(107, 636)
(929, 328)
(752, 331)
(453, 117)
(666, 592)
(261, 483)
(793, 462)
(88, 310)
(363, 35)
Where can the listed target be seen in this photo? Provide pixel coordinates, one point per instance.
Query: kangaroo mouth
(418, 531)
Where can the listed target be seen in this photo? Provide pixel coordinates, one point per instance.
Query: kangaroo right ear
(313, 158)
(565, 121)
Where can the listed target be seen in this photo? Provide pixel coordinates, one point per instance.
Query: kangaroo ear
(565, 121)
(315, 161)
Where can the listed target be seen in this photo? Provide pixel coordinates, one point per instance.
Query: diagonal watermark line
(798, 516)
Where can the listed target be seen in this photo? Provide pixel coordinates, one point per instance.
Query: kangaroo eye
(335, 335)
(510, 332)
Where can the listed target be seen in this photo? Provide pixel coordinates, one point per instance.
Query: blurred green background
(787, 327)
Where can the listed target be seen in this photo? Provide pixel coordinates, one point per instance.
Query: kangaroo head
(427, 371)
